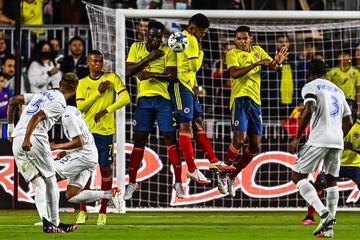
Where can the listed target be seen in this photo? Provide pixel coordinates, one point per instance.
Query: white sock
(90, 196)
(308, 192)
(332, 198)
(40, 197)
(52, 197)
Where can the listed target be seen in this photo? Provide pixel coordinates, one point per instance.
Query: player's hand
(26, 146)
(53, 146)
(103, 86)
(60, 155)
(54, 71)
(293, 145)
(99, 115)
(145, 75)
(264, 62)
(156, 54)
(10, 130)
(281, 55)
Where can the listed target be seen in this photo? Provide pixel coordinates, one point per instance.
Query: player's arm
(133, 68)
(279, 58)
(168, 76)
(84, 103)
(196, 62)
(75, 142)
(34, 121)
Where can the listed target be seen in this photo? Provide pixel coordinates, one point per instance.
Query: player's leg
(144, 120)
(183, 101)
(40, 198)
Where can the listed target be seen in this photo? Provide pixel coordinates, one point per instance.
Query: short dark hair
(243, 29)
(280, 35)
(70, 80)
(11, 57)
(200, 20)
(77, 38)
(2, 75)
(95, 52)
(316, 67)
(344, 51)
(156, 25)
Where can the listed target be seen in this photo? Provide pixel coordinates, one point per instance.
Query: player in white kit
(32, 150)
(330, 120)
(79, 160)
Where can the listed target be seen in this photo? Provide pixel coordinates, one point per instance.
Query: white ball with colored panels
(178, 42)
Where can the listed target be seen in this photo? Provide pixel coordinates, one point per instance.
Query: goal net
(265, 183)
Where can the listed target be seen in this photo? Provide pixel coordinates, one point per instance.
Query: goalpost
(266, 182)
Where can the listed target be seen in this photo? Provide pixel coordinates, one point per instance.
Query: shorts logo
(186, 110)
(134, 122)
(236, 123)
(356, 135)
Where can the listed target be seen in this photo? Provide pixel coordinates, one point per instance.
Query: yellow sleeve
(124, 97)
(84, 103)
(192, 51)
(328, 75)
(264, 54)
(195, 63)
(357, 83)
(132, 54)
(231, 60)
(171, 59)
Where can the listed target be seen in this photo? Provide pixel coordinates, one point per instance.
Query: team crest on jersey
(186, 110)
(352, 75)
(134, 122)
(236, 123)
(356, 135)
(257, 55)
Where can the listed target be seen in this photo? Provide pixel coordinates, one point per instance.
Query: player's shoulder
(70, 112)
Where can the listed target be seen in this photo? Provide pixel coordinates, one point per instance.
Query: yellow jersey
(346, 81)
(249, 84)
(32, 14)
(184, 73)
(152, 86)
(351, 158)
(92, 101)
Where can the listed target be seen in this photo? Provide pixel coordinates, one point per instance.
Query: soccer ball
(178, 42)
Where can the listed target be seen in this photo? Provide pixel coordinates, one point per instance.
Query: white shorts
(75, 168)
(36, 161)
(310, 157)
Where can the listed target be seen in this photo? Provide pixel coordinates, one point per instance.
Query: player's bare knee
(169, 138)
(106, 170)
(296, 177)
(330, 181)
(186, 127)
(72, 191)
(198, 124)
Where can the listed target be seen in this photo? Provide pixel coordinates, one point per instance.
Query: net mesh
(308, 39)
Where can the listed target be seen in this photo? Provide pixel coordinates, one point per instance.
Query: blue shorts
(104, 145)
(352, 173)
(246, 116)
(157, 108)
(187, 105)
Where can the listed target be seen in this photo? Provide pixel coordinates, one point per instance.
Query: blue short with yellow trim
(104, 145)
(246, 116)
(187, 105)
(149, 109)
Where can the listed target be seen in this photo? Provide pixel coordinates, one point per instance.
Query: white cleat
(324, 223)
(198, 177)
(116, 198)
(326, 233)
(40, 224)
(179, 190)
(230, 185)
(222, 183)
(131, 188)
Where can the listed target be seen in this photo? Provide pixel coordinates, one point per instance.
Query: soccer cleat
(81, 217)
(68, 227)
(220, 166)
(222, 183)
(326, 233)
(325, 221)
(230, 185)
(116, 198)
(131, 188)
(308, 220)
(179, 190)
(101, 219)
(38, 224)
(48, 227)
(198, 177)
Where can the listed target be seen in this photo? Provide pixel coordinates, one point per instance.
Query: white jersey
(52, 102)
(331, 107)
(74, 125)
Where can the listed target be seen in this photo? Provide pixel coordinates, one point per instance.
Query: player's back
(74, 124)
(52, 102)
(326, 120)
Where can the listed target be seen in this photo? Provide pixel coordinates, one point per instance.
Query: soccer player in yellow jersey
(347, 78)
(349, 168)
(187, 105)
(95, 99)
(244, 64)
(155, 66)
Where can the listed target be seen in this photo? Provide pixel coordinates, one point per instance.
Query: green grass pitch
(180, 225)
